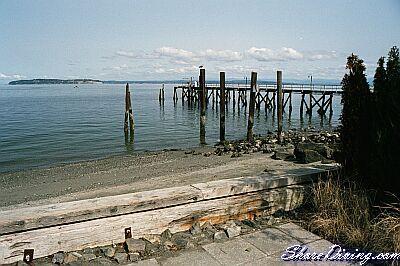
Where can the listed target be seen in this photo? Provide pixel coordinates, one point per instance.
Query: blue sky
(147, 40)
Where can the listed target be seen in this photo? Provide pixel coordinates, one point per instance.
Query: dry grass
(343, 213)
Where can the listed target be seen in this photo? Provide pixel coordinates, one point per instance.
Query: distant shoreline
(95, 81)
(55, 81)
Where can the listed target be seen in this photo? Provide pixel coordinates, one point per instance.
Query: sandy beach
(126, 174)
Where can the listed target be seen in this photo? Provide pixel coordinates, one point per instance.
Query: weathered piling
(128, 111)
(279, 103)
(250, 123)
(222, 107)
(202, 83)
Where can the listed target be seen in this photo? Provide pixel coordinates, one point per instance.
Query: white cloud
(221, 55)
(175, 53)
(12, 76)
(267, 54)
(322, 55)
(136, 54)
(175, 70)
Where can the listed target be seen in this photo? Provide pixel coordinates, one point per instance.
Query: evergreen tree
(380, 76)
(354, 118)
(393, 66)
(385, 125)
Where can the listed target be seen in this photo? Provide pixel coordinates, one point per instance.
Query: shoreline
(147, 170)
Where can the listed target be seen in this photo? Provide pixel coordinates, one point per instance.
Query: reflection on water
(52, 124)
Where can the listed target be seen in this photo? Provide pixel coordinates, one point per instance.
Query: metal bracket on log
(128, 233)
(28, 256)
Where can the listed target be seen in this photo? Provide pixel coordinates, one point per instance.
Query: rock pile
(299, 146)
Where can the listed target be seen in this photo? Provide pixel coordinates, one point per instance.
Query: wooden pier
(312, 96)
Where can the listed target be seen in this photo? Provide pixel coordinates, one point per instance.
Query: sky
(164, 40)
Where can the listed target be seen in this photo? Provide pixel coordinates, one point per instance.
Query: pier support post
(250, 123)
(279, 103)
(202, 97)
(222, 107)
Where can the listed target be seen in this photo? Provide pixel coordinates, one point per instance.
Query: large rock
(309, 152)
(72, 257)
(220, 235)
(58, 258)
(121, 257)
(135, 245)
(283, 154)
(195, 229)
(166, 235)
(108, 251)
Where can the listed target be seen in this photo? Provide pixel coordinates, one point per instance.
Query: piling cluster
(275, 97)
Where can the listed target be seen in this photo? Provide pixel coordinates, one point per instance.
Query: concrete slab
(193, 258)
(234, 252)
(271, 241)
(299, 233)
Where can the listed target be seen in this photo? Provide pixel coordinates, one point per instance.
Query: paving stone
(192, 258)
(299, 233)
(234, 251)
(275, 260)
(319, 246)
(149, 262)
(270, 241)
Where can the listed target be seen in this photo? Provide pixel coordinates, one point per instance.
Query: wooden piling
(250, 123)
(202, 81)
(128, 111)
(302, 104)
(222, 107)
(279, 103)
(163, 93)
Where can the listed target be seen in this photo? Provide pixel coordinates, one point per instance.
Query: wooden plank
(110, 230)
(74, 211)
(240, 185)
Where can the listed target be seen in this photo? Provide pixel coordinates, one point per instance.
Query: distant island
(54, 81)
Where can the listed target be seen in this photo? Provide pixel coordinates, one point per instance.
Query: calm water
(53, 124)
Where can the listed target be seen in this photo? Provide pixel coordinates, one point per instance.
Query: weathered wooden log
(250, 122)
(22, 219)
(222, 107)
(279, 104)
(106, 231)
